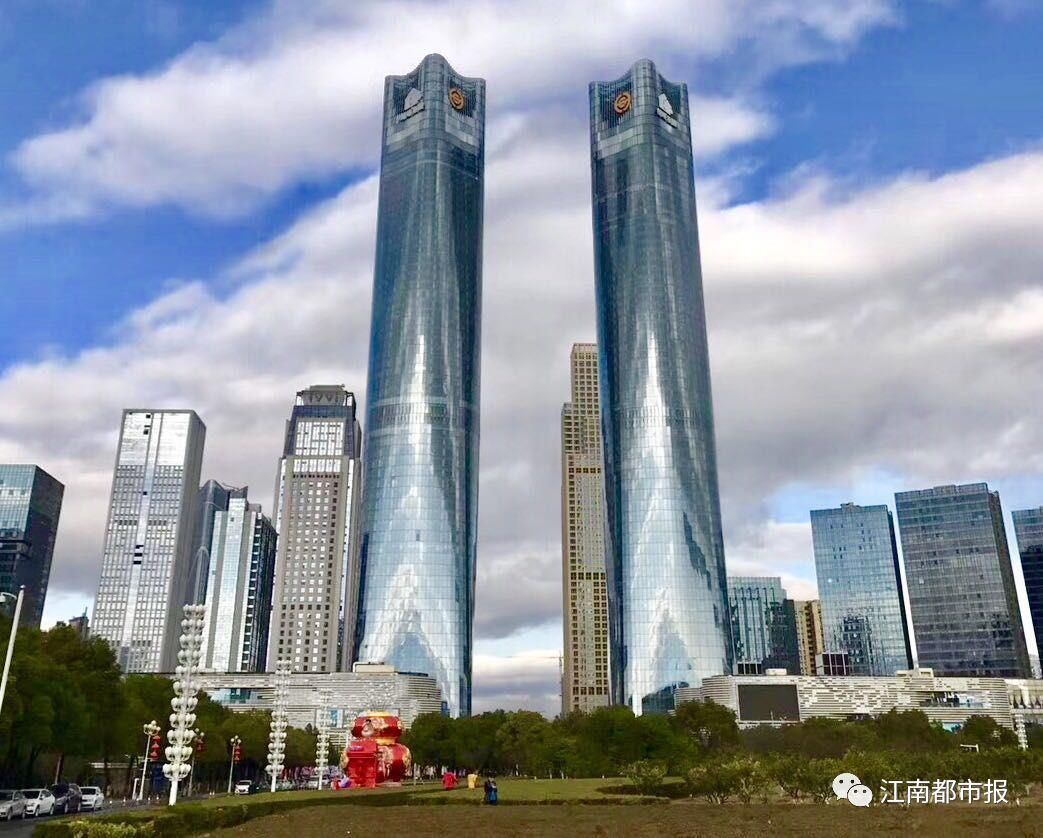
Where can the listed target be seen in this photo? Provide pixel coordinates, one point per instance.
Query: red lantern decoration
(153, 752)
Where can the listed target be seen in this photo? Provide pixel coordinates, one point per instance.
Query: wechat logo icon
(848, 787)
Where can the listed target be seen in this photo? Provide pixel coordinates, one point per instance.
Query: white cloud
(893, 327)
(295, 95)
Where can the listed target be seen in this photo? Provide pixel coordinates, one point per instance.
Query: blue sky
(948, 86)
(186, 211)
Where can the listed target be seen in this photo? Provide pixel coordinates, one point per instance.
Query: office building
(860, 588)
(212, 498)
(146, 565)
(420, 509)
(316, 513)
(965, 611)
(239, 589)
(585, 606)
(764, 625)
(808, 615)
(1028, 529)
(30, 505)
(667, 592)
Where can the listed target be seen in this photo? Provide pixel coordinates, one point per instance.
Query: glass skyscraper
(1028, 528)
(668, 599)
(30, 504)
(146, 567)
(239, 589)
(420, 504)
(764, 625)
(317, 491)
(964, 606)
(213, 497)
(860, 588)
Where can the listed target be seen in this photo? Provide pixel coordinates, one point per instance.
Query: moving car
(38, 802)
(93, 799)
(246, 787)
(12, 804)
(67, 797)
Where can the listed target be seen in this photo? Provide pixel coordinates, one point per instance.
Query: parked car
(93, 799)
(246, 787)
(38, 802)
(67, 797)
(12, 804)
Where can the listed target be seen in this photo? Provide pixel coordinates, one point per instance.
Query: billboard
(768, 703)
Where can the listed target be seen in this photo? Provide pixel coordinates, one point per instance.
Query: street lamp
(183, 719)
(198, 747)
(322, 743)
(277, 735)
(10, 640)
(151, 731)
(235, 742)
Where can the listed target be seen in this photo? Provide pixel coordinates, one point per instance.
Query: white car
(244, 787)
(12, 804)
(38, 802)
(93, 799)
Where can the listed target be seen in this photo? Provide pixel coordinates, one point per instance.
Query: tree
(985, 732)
(430, 740)
(711, 726)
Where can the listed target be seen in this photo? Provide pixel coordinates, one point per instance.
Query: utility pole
(10, 641)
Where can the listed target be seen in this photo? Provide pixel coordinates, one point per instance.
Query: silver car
(12, 804)
(38, 802)
(93, 799)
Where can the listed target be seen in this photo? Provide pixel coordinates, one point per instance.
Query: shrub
(646, 775)
(100, 829)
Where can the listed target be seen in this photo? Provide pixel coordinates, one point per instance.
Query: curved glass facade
(668, 601)
(420, 468)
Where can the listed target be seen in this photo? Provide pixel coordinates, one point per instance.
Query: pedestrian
(448, 781)
(491, 792)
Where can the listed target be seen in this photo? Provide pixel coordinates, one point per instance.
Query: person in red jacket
(448, 780)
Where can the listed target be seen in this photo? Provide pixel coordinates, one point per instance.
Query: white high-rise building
(146, 566)
(239, 587)
(317, 495)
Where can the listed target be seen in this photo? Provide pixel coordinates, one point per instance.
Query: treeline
(67, 706)
(609, 741)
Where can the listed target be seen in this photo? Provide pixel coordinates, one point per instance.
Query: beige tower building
(585, 683)
(317, 493)
(809, 633)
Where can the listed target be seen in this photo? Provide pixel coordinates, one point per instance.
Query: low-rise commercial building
(368, 687)
(1015, 703)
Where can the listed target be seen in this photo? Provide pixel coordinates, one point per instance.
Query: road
(23, 829)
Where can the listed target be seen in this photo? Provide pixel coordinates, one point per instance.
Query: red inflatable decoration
(374, 756)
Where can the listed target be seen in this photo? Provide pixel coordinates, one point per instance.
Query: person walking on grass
(491, 792)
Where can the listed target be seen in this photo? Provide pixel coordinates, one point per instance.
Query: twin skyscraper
(665, 558)
(408, 558)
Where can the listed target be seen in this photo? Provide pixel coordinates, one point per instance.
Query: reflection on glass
(667, 591)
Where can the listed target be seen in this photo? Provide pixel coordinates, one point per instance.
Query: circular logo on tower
(622, 103)
(456, 99)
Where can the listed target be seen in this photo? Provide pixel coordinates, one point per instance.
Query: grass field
(653, 821)
(526, 813)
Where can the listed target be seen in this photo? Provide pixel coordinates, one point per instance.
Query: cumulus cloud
(891, 327)
(296, 93)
